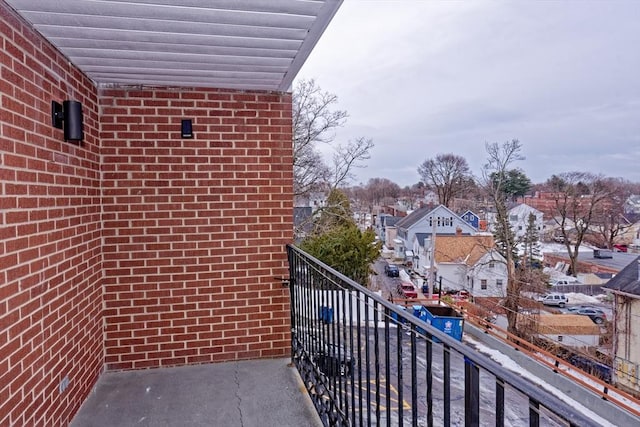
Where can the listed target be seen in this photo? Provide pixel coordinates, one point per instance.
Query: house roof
(390, 221)
(567, 324)
(466, 249)
(249, 44)
(413, 217)
(628, 280)
(524, 208)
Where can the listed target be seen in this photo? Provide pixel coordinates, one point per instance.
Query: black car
(594, 314)
(334, 361)
(392, 270)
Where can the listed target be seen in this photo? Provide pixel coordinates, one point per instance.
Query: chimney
(458, 231)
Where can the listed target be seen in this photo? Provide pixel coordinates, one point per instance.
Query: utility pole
(432, 265)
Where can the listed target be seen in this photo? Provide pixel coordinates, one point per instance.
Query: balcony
(357, 360)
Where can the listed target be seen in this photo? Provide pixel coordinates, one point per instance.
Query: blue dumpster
(395, 316)
(445, 319)
(417, 310)
(326, 314)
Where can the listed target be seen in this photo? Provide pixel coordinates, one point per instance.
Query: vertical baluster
(429, 351)
(499, 402)
(447, 384)
(414, 377)
(472, 393)
(367, 356)
(400, 377)
(376, 353)
(387, 363)
(534, 413)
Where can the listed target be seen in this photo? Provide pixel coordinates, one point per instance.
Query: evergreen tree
(347, 249)
(338, 242)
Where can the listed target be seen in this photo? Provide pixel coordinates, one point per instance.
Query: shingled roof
(467, 249)
(567, 324)
(628, 280)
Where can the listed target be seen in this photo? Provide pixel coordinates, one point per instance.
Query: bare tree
(609, 220)
(446, 174)
(347, 157)
(314, 121)
(381, 190)
(577, 197)
(494, 179)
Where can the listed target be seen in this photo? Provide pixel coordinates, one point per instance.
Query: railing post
(472, 394)
(499, 403)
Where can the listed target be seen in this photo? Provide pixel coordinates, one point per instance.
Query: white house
(467, 263)
(439, 220)
(487, 276)
(625, 287)
(519, 219)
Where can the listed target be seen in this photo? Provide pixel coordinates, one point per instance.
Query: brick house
(137, 247)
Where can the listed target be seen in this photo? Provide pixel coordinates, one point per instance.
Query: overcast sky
(427, 77)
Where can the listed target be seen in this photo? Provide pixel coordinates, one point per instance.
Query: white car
(559, 300)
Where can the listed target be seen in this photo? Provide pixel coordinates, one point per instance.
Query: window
(499, 283)
(483, 284)
(513, 217)
(559, 338)
(492, 264)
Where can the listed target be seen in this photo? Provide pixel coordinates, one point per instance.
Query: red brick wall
(134, 248)
(195, 228)
(50, 235)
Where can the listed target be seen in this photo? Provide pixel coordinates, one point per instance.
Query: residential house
(631, 233)
(439, 220)
(472, 219)
(571, 330)
(519, 219)
(387, 229)
(468, 263)
(632, 204)
(625, 287)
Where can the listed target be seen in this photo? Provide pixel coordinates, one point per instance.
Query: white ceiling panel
(240, 44)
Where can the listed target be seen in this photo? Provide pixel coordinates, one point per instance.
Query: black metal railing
(367, 361)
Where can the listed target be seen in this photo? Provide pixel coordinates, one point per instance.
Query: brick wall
(134, 248)
(195, 228)
(50, 235)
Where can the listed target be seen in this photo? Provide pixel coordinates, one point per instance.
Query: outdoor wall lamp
(68, 117)
(186, 129)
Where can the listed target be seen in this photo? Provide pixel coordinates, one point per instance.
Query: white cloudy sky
(428, 77)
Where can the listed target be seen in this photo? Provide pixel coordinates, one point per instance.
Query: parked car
(558, 300)
(392, 270)
(334, 361)
(575, 308)
(594, 314)
(620, 248)
(559, 282)
(407, 290)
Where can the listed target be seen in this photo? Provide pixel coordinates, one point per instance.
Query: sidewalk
(265, 392)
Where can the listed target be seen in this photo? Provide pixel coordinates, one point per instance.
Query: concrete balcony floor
(265, 392)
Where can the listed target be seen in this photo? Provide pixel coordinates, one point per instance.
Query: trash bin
(326, 314)
(445, 319)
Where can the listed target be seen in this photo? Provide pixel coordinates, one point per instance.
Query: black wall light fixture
(186, 130)
(68, 117)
